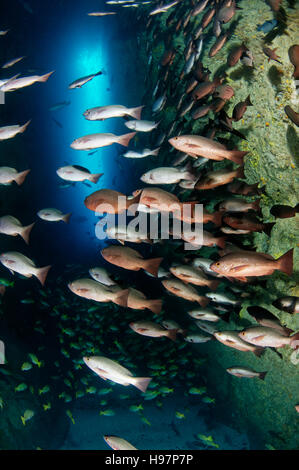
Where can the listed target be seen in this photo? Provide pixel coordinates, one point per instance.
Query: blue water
(66, 40)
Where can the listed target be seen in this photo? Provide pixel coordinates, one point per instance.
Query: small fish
(26, 366)
(69, 414)
(81, 81)
(267, 26)
(47, 406)
(136, 408)
(27, 416)
(141, 125)
(43, 390)
(246, 372)
(208, 400)
(107, 413)
(207, 440)
(197, 391)
(179, 415)
(35, 360)
(54, 215)
(288, 304)
(21, 387)
(12, 62)
(118, 443)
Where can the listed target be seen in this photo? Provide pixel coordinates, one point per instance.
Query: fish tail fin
(136, 112)
(220, 242)
(295, 341)
(20, 178)
(125, 139)
(94, 178)
(217, 218)
(23, 128)
(171, 334)
(256, 205)
(240, 172)
(141, 383)
(155, 306)
(42, 274)
(23, 420)
(121, 298)
(285, 263)
(248, 101)
(66, 217)
(155, 151)
(237, 156)
(26, 232)
(44, 78)
(263, 375)
(152, 265)
(214, 284)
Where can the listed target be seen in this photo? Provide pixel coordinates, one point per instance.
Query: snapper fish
(8, 175)
(233, 340)
(102, 13)
(138, 301)
(93, 290)
(246, 372)
(153, 330)
(23, 82)
(128, 258)
(8, 132)
(264, 336)
(163, 8)
(241, 265)
(108, 369)
(101, 113)
(93, 141)
(12, 62)
(195, 145)
(17, 262)
(9, 225)
(54, 215)
(167, 175)
(77, 173)
(141, 126)
(81, 81)
(143, 154)
(118, 443)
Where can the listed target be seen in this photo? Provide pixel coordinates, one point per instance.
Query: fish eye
(217, 264)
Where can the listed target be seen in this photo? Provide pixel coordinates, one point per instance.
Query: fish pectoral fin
(259, 338)
(141, 330)
(83, 290)
(100, 372)
(236, 269)
(192, 146)
(242, 279)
